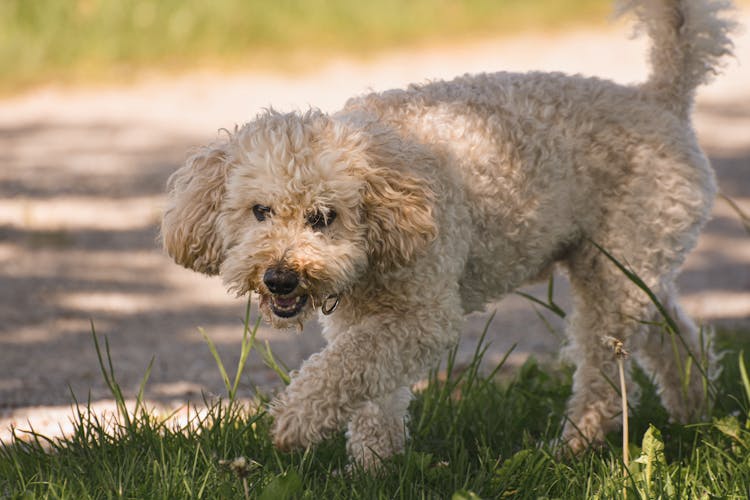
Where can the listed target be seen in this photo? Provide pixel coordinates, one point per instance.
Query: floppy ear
(398, 211)
(189, 227)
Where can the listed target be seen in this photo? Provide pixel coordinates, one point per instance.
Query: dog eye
(261, 212)
(319, 220)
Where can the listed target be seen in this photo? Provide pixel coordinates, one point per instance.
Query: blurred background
(100, 100)
(81, 40)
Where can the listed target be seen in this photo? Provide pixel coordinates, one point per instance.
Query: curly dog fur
(409, 208)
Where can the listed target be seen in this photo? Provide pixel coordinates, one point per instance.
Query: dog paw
(287, 430)
(573, 444)
(570, 446)
(293, 427)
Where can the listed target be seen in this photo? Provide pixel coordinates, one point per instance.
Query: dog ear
(400, 222)
(189, 228)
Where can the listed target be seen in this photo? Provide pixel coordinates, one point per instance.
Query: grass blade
(274, 365)
(550, 305)
(139, 409)
(744, 217)
(247, 346)
(744, 377)
(217, 358)
(109, 377)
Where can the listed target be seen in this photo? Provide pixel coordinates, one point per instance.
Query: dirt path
(82, 174)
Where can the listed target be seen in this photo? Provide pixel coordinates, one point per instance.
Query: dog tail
(688, 40)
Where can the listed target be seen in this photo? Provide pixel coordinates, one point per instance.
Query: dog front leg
(360, 366)
(379, 429)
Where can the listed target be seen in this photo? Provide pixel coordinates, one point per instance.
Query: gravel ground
(81, 191)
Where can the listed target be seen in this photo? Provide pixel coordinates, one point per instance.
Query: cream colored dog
(407, 209)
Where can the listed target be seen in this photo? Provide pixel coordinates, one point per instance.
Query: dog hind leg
(652, 221)
(672, 361)
(601, 313)
(607, 307)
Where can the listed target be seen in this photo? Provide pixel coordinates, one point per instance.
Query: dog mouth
(286, 306)
(289, 306)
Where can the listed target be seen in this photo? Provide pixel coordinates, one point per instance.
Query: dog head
(300, 208)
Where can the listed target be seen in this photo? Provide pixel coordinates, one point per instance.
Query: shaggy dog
(407, 209)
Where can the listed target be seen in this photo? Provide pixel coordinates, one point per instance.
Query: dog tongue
(286, 302)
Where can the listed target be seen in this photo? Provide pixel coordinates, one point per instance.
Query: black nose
(280, 280)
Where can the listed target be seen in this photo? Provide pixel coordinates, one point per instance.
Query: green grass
(85, 40)
(471, 435)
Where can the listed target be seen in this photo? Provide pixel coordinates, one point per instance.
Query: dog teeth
(287, 303)
(287, 306)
